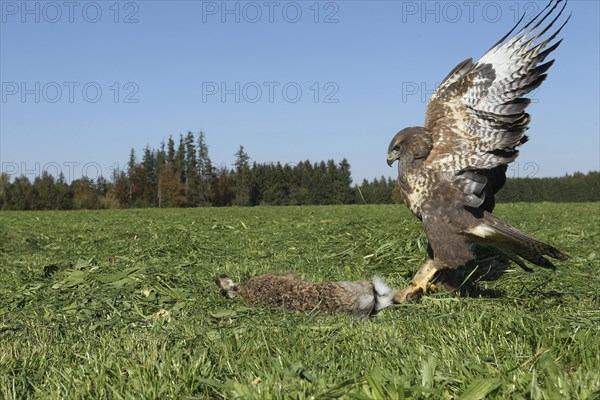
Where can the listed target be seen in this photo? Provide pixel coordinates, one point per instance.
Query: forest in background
(182, 175)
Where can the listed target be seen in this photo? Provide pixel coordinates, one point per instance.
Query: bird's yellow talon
(419, 284)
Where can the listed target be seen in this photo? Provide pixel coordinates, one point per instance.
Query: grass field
(121, 304)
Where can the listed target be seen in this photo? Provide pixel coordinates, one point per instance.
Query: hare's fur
(359, 298)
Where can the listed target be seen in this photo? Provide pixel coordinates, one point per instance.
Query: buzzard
(450, 169)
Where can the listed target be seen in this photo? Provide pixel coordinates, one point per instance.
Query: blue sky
(84, 82)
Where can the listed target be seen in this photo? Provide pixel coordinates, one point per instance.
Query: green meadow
(120, 304)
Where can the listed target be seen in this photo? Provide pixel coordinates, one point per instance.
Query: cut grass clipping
(121, 304)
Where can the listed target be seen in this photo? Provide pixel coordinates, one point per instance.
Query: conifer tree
(205, 170)
(179, 166)
(193, 178)
(342, 186)
(241, 178)
(148, 179)
(171, 151)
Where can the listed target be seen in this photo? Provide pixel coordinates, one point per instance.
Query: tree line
(578, 187)
(182, 175)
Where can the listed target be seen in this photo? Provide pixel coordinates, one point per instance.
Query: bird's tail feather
(514, 243)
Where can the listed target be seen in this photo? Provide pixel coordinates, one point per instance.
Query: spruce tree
(205, 170)
(148, 179)
(171, 151)
(241, 178)
(193, 179)
(342, 187)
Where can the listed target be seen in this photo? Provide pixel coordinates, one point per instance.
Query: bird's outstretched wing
(477, 115)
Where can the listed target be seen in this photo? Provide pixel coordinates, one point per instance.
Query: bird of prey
(450, 169)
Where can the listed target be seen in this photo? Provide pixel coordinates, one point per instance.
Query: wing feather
(477, 116)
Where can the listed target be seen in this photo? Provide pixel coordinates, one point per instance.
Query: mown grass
(121, 304)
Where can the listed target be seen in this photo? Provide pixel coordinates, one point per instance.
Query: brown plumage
(359, 298)
(450, 169)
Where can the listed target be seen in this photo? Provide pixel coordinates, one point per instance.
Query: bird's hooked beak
(392, 157)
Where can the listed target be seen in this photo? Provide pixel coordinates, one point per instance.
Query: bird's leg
(418, 285)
